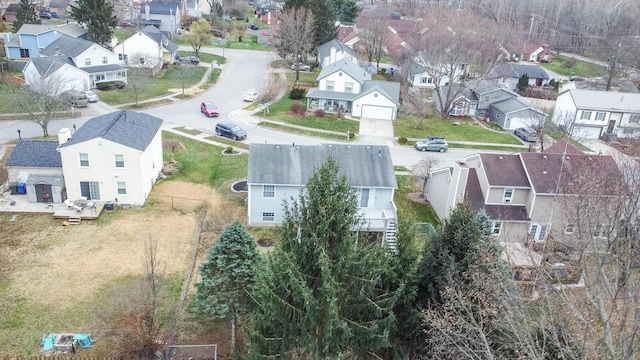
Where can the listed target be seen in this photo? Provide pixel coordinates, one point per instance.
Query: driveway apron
(376, 132)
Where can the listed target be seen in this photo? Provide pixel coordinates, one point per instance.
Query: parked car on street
(526, 134)
(91, 96)
(250, 96)
(301, 67)
(124, 24)
(254, 27)
(209, 109)
(436, 144)
(231, 131)
(193, 60)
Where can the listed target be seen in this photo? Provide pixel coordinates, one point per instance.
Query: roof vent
(544, 172)
(500, 157)
(277, 147)
(544, 157)
(566, 158)
(379, 152)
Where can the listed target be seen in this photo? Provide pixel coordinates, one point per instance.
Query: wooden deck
(87, 212)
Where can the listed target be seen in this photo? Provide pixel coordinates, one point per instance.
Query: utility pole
(531, 26)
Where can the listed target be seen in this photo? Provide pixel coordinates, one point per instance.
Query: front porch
(106, 73)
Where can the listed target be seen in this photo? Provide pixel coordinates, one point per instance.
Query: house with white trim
(79, 64)
(594, 114)
(278, 172)
(346, 87)
(333, 51)
(147, 48)
(30, 39)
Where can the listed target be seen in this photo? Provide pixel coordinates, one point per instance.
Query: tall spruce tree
(98, 16)
(321, 294)
(27, 14)
(228, 278)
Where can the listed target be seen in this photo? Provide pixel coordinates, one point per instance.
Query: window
(105, 60)
(119, 161)
(364, 197)
(496, 228)
(122, 188)
(87, 61)
(538, 231)
(99, 77)
(24, 53)
(570, 228)
(84, 160)
(634, 119)
(586, 115)
(426, 80)
(268, 216)
(600, 116)
(122, 57)
(507, 196)
(90, 190)
(268, 191)
(141, 61)
(330, 85)
(348, 87)
(629, 130)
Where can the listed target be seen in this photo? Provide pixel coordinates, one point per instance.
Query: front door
(43, 193)
(612, 125)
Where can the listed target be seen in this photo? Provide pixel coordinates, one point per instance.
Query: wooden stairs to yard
(74, 220)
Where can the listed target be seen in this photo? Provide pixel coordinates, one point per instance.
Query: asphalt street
(244, 70)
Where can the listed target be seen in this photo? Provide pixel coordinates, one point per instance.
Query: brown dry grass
(65, 265)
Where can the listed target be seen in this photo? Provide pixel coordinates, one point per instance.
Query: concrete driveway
(376, 131)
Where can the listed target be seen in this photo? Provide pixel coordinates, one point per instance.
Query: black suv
(231, 131)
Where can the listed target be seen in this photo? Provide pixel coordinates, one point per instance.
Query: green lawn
(410, 127)
(582, 68)
(305, 131)
(408, 210)
(280, 111)
(204, 163)
(249, 42)
(170, 79)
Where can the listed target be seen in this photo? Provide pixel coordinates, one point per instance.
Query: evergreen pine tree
(523, 83)
(98, 17)
(322, 293)
(228, 278)
(27, 14)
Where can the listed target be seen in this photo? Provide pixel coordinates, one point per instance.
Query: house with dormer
(114, 157)
(492, 102)
(594, 114)
(346, 87)
(164, 15)
(333, 51)
(30, 39)
(148, 48)
(79, 64)
(520, 192)
(279, 172)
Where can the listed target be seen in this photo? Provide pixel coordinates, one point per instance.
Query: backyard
(55, 277)
(581, 68)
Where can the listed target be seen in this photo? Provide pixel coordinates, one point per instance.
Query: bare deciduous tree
(294, 37)
(372, 27)
(138, 80)
(422, 170)
(173, 145)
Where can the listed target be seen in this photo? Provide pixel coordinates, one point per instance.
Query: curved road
(244, 70)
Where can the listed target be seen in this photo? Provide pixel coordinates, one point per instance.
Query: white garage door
(518, 122)
(377, 112)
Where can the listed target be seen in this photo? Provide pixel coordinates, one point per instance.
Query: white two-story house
(78, 64)
(593, 114)
(345, 87)
(279, 172)
(423, 73)
(146, 48)
(334, 50)
(114, 157)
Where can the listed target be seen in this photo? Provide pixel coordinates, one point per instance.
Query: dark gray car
(526, 134)
(231, 131)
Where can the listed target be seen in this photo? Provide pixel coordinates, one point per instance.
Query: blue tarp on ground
(47, 342)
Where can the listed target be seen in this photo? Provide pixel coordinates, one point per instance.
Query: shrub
(320, 113)
(110, 85)
(297, 108)
(296, 93)
(351, 135)
(228, 150)
(402, 140)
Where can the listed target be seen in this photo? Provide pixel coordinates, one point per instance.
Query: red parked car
(209, 109)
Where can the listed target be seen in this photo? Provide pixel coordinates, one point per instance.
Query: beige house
(520, 192)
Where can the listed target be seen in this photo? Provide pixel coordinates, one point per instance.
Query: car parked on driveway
(193, 60)
(45, 15)
(54, 15)
(526, 134)
(231, 131)
(91, 96)
(433, 143)
(250, 96)
(209, 109)
(254, 27)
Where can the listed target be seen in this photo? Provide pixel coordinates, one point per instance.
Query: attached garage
(377, 112)
(512, 113)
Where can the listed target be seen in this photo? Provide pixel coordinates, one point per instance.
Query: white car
(250, 96)
(91, 96)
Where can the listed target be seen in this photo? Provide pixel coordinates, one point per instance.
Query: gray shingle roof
(103, 68)
(606, 100)
(162, 9)
(323, 94)
(125, 127)
(324, 50)
(49, 65)
(363, 165)
(390, 89)
(157, 36)
(510, 105)
(35, 153)
(67, 45)
(533, 71)
(348, 67)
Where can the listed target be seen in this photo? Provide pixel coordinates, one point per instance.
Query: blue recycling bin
(22, 188)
